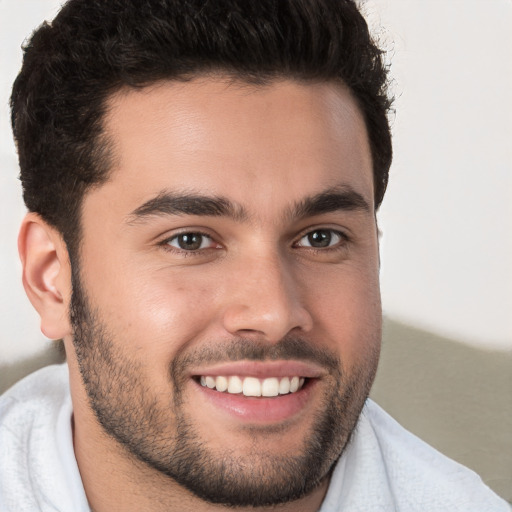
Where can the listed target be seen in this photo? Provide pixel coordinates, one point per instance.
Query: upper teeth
(252, 386)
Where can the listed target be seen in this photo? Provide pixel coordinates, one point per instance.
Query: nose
(265, 298)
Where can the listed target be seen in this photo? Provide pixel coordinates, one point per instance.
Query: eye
(190, 241)
(321, 238)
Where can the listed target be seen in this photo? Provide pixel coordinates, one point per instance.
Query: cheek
(347, 310)
(155, 311)
(175, 308)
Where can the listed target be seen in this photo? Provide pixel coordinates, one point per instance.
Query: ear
(46, 274)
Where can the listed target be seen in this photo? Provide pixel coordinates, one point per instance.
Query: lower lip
(259, 409)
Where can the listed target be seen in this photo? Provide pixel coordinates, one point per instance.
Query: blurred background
(446, 222)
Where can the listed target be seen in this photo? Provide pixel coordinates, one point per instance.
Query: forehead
(260, 145)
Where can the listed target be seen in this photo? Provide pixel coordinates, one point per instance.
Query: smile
(252, 386)
(259, 392)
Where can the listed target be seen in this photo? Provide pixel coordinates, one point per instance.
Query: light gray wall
(447, 218)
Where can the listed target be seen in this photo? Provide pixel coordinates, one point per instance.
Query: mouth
(259, 392)
(253, 386)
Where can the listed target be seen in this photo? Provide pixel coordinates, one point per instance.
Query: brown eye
(190, 241)
(321, 238)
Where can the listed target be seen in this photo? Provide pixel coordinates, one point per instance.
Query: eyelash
(340, 244)
(183, 252)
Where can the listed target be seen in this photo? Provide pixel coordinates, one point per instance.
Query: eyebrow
(172, 203)
(169, 203)
(335, 199)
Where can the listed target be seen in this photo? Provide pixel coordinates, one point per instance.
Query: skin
(255, 279)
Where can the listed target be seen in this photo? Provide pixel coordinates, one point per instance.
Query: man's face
(233, 253)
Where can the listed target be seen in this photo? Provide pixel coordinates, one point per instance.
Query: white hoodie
(384, 467)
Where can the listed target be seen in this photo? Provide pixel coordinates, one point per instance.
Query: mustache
(240, 349)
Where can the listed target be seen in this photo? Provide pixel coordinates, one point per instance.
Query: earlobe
(46, 274)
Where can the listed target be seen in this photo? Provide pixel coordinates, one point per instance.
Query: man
(202, 180)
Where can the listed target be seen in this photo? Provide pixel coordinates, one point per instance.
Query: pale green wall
(455, 397)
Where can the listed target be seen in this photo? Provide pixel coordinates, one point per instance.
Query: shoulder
(420, 474)
(385, 467)
(42, 393)
(37, 468)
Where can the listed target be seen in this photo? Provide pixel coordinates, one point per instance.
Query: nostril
(266, 317)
